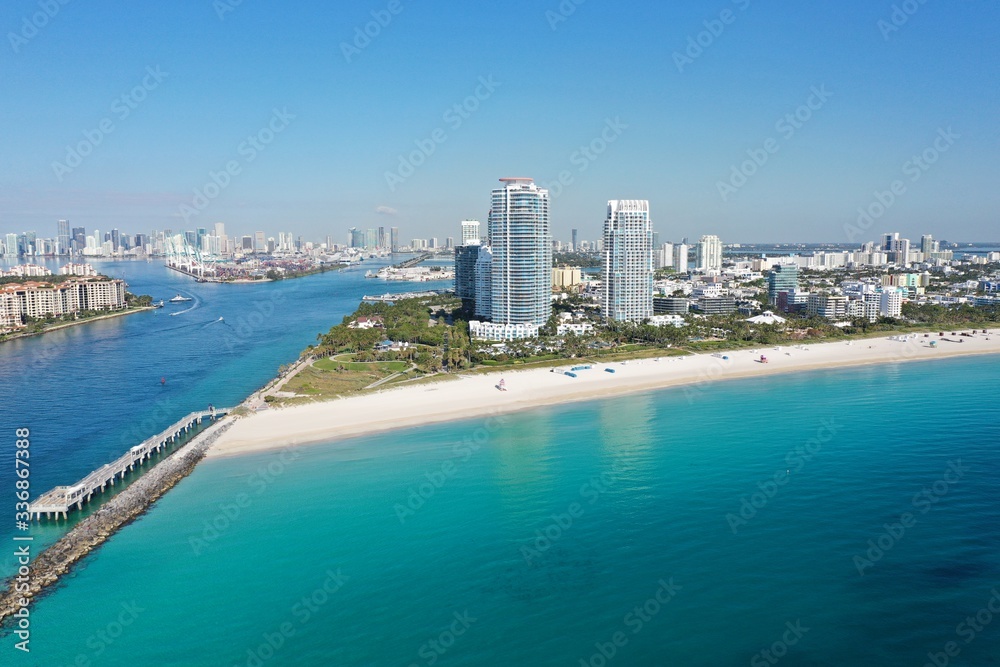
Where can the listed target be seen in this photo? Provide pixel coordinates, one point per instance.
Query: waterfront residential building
(25, 271)
(77, 270)
(830, 306)
(709, 253)
(10, 310)
(890, 303)
(394, 239)
(470, 232)
(783, 277)
(38, 300)
(863, 309)
(627, 283)
(522, 253)
(497, 331)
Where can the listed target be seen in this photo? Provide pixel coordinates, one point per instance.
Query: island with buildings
(34, 300)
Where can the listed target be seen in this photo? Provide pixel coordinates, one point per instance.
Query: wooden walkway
(61, 500)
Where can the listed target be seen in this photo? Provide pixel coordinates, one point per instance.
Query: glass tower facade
(522, 253)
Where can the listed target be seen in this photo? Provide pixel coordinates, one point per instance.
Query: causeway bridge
(63, 499)
(413, 261)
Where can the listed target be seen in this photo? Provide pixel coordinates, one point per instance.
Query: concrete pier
(60, 501)
(59, 558)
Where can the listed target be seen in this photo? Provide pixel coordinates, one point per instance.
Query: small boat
(179, 299)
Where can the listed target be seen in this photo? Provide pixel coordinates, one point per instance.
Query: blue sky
(557, 85)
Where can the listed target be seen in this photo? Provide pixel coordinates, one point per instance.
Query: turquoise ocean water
(756, 522)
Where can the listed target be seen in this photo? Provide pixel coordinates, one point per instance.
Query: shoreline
(86, 320)
(472, 396)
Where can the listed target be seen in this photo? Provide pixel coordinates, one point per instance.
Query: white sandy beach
(477, 395)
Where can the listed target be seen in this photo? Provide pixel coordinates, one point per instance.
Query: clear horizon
(732, 118)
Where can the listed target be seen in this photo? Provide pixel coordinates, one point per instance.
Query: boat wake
(197, 302)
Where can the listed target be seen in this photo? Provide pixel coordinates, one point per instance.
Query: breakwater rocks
(92, 532)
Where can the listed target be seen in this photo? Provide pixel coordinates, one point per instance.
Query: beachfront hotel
(521, 243)
(627, 285)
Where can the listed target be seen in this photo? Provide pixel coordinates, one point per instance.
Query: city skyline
(764, 144)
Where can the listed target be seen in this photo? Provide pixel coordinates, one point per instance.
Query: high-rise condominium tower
(521, 240)
(628, 262)
(709, 253)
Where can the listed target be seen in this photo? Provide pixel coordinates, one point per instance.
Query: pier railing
(63, 499)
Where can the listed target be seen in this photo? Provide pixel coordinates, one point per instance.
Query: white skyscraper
(681, 257)
(470, 232)
(709, 253)
(628, 262)
(522, 253)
